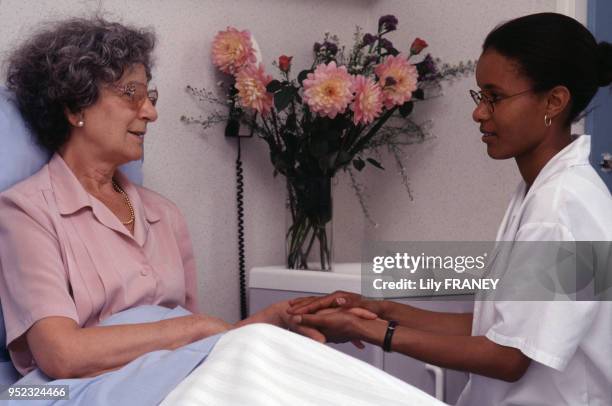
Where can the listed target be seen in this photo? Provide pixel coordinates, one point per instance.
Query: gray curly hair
(63, 66)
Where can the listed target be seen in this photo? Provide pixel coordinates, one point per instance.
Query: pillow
(20, 157)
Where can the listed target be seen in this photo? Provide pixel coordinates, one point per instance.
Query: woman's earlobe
(80, 121)
(75, 119)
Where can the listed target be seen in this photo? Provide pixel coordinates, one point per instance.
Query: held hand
(337, 325)
(312, 304)
(357, 311)
(286, 321)
(277, 315)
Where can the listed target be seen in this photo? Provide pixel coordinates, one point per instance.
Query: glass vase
(309, 223)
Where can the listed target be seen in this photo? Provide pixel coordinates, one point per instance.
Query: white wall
(459, 192)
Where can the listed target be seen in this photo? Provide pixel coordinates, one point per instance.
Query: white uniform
(569, 343)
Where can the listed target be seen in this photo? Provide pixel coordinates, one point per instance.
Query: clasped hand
(339, 317)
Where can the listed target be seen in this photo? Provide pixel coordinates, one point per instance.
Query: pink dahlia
(232, 50)
(368, 100)
(398, 79)
(329, 90)
(251, 84)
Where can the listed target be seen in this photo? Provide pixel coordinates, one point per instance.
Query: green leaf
(232, 128)
(331, 159)
(283, 98)
(375, 163)
(344, 158)
(363, 141)
(406, 108)
(302, 75)
(358, 164)
(274, 86)
(419, 94)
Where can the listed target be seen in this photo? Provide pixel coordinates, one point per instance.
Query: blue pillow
(21, 157)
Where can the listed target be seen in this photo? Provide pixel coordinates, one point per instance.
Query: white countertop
(344, 276)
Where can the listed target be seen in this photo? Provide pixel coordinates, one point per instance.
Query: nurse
(535, 76)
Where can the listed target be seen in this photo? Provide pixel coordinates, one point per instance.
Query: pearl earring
(80, 123)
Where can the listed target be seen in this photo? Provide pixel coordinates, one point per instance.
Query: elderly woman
(83, 250)
(78, 241)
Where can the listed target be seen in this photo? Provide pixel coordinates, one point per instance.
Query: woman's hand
(341, 325)
(286, 321)
(277, 314)
(342, 299)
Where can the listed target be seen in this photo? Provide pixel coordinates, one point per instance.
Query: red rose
(417, 46)
(284, 63)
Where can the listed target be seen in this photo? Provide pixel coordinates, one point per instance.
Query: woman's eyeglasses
(489, 101)
(136, 93)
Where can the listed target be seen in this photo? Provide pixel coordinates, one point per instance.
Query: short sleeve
(187, 257)
(547, 331)
(33, 279)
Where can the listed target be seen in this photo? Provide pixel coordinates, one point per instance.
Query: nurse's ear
(558, 103)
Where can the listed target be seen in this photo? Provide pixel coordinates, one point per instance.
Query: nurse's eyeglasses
(136, 93)
(489, 101)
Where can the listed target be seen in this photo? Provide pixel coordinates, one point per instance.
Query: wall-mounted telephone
(232, 129)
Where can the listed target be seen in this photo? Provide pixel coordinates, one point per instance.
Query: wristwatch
(389, 335)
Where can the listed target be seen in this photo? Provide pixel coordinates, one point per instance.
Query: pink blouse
(64, 253)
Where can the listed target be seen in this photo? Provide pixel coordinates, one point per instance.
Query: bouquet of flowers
(333, 116)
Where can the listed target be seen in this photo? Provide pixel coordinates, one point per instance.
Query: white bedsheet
(261, 364)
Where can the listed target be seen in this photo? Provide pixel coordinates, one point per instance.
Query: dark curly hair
(62, 67)
(552, 49)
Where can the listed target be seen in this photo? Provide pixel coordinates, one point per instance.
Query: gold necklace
(127, 202)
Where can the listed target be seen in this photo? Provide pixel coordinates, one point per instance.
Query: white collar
(575, 153)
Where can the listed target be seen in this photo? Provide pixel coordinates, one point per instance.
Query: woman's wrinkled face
(116, 124)
(516, 125)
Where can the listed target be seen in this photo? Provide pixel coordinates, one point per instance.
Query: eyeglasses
(480, 97)
(136, 93)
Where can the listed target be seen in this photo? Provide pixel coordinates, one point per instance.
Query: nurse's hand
(340, 325)
(338, 299)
